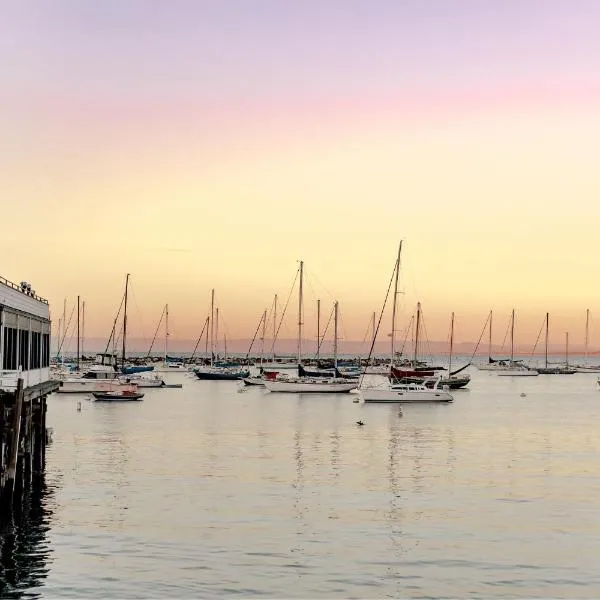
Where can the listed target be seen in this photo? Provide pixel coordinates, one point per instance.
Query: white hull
(88, 386)
(517, 373)
(396, 395)
(277, 366)
(312, 386)
(377, 370)
(587, 369)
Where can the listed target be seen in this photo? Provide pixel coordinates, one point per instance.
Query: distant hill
(347, 347)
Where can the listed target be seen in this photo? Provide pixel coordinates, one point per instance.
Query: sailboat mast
(547, 324)
(417, 333)
(587, 331)
(78, 335)
(393, 343)
(212, 326)
(206, 323)
(82, 328)
(335, 334)
(264, 330)
(166, 331)
(318, 327)
(373, 326)
(567, 349)
(217, 332)
(125, 319)
(451, 345)
(490, 342)
(274, 326)
(512, 336)
(300, 290)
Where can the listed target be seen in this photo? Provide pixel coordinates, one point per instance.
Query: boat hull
(257, 381)
(117, 397)
(220, 375)
(312, 386)
(87, 386)
(517, 373)
(395, 396)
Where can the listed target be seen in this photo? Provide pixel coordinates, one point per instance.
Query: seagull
(360, 422)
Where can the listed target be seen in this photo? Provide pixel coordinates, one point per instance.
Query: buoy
(355, 401)
(523, 394)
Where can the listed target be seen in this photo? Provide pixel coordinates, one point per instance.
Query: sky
(209, 144)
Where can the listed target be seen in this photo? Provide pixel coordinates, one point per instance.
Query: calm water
(207, 492)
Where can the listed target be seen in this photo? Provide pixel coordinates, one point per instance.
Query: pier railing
(14, 286)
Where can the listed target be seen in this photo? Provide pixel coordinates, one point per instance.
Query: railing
(14, 286)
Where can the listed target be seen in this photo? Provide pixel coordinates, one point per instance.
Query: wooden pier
(23, 439)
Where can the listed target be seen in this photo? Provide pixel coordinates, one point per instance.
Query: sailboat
(515, 368)
(493, 364)
(454, 381)
(214, 371)
(260, 379)
(585, 368)
(401, 392)
(556, 369)
(312, 384)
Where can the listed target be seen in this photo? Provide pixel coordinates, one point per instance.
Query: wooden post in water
(15, 438)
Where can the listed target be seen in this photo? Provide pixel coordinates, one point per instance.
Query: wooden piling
(22, 439)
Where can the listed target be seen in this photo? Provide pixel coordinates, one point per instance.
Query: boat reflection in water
(24, 547)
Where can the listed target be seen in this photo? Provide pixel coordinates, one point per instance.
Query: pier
(23, 438)
(25, 383)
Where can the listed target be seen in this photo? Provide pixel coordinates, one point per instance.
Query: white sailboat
(556, 369)
(312, 385)
(515, 369)
(493, 364)
(401, 392)
(102, 377)
(585, 368)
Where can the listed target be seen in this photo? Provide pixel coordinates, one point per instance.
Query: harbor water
(208, 491)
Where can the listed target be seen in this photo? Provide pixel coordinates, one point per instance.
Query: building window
(23, 349)
(34, 357)
(9, 360)
(45, 350)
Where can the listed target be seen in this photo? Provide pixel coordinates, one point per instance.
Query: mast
(206, 341)
(274, 326)
(393, 346)
(490, 342)
(217, 332)
(417, 332)
(567, 349)
(212, 326)
(512, 337)
(547, 319)
(78, 308)
(262, 346)
(125, 320)
(318, 327)
(225, 346)
(587, 331)
(59, 337)
(82, 328)
(335, 334)
(300, 313)
(166, 331)
(373, 326)
(451, 345)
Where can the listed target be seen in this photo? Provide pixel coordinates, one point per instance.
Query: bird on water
(360, 423)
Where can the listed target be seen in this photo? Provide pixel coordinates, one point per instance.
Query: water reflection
(24, 548)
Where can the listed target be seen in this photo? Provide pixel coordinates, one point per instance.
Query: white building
(24, 336)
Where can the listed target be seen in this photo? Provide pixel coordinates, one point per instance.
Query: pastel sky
(200, 144)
